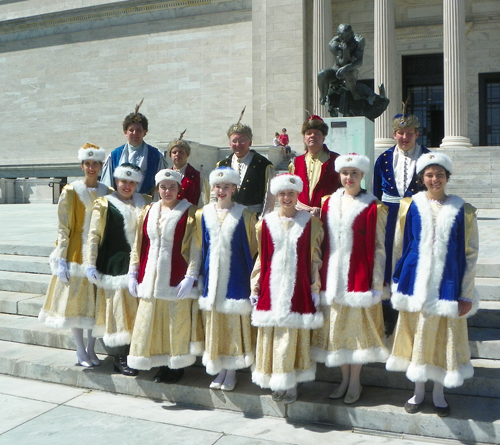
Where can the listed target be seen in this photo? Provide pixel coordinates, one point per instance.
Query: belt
(391, 199)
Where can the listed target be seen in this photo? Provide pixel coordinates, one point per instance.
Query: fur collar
(221, 237)
(283, 276)
(341, 241)
(429, 273)
(160, 252)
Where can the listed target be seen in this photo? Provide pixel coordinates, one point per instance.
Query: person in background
(135, 151)
(316, 167)
(394, 178)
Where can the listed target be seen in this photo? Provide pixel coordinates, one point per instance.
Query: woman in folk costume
(194, 186)
(229, 245)
(70, 299)
(433, 286)
(285, 292)
(352, 278)
(164, 266)
(111, 237)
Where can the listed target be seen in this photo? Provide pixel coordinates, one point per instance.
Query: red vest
(328, 182)
(179, 264)
(191, 186)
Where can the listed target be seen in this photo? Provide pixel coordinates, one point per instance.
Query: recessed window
(489, 109)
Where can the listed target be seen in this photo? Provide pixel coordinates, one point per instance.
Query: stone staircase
(29, 349)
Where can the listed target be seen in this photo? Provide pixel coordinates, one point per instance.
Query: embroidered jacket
(328, 181)
(353, 250)
(191, 185)
(287, 272)
(437, 261)
(227, 254)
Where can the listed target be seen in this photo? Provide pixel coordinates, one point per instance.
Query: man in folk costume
(436, 246)
(316, 167)
(285, 291)
(394, 178)
(194, 185)
(112, 234)
(255, 170)
(163, 269)
(228, 244)
(135, 151)
(352, 277)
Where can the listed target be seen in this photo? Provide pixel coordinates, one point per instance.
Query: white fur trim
(146, 363)
(429, 274)
(96, 154)
(169, 175)
(65, 322)
(341, 239)
(117, 339)
(286, 181)
(155, 284)
(220, 261)
(449, 379)
(349, 356)
(213, 367)
(282, 382)
(434, 158)
(397, 364)
(224, 175)
(128, 173)
(283, 277)
(352, 160)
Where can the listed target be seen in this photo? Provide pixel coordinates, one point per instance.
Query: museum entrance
(423, 84)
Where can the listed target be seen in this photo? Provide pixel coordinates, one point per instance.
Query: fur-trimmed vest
(79, 204)
(328, 181)
(285, 282)
(191, 186)
(163, 258)
(349, 251)
(119, 226)
(436, 257)
(227, 260)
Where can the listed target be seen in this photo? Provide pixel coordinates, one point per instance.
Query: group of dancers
(165, 282)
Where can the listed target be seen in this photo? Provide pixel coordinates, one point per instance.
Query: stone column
(455, 99)
(322, 57)
(385, 70)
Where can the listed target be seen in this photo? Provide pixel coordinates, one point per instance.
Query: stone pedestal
(352, 135)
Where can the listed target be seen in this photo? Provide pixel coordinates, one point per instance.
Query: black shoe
(412, 408)
(442, 412)
(162, 374)
(174, 375)
(120, 365)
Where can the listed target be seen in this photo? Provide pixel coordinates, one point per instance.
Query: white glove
(184, 287)
(316, 299)
(92, 275)
(62, 270)
(254, 299)
(132, 283)
(376, 296)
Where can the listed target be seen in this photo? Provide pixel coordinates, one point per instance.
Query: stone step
(488, 315)
(26, 249)
(20, 303)
(24, 282)
(484, 343)
(487, 268)
(472, 419)
(488, 289)
(486, 380)
(24, 263)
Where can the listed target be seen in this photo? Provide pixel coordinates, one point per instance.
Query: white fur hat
(224, 175)
(434, 158)
(91, 151)
(128, 171)
(353, 160)
(286, 181)
(168, 174)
